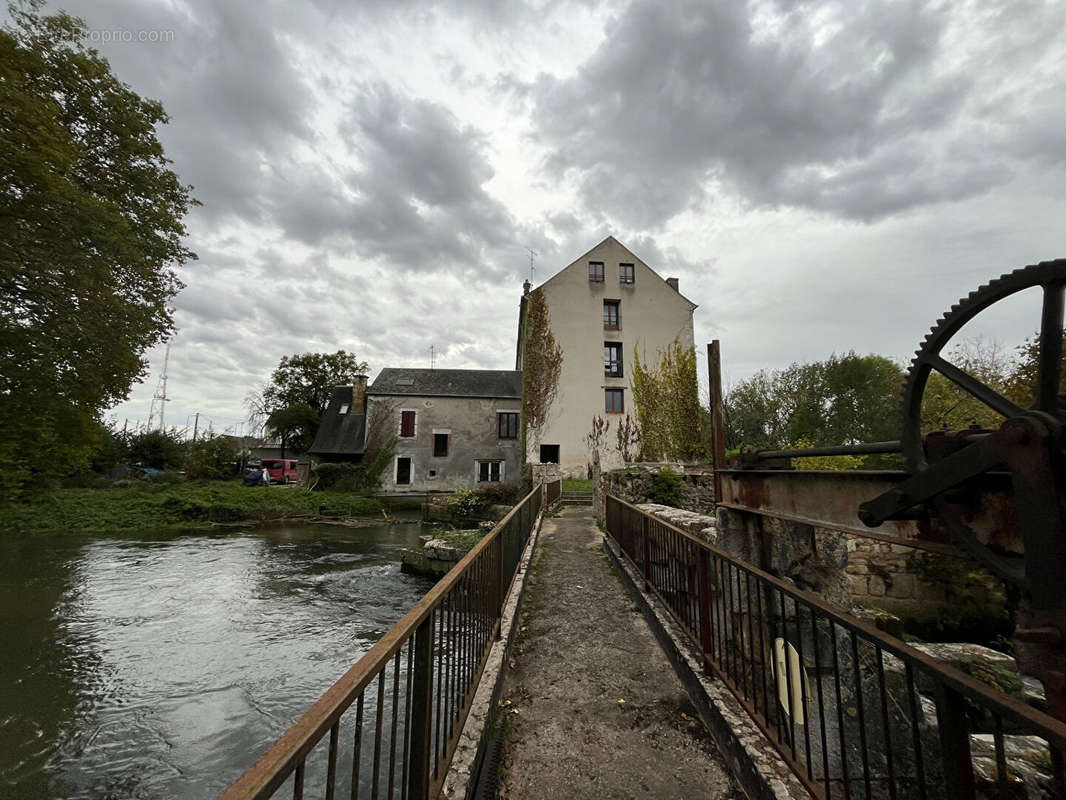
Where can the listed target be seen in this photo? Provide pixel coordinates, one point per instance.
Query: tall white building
(603, 307)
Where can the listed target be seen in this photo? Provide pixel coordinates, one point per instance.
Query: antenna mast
(160, 395)
(532, 254)
(432, 357)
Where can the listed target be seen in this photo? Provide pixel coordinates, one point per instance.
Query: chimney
(359, 394)
(673, 284)
(526, 287)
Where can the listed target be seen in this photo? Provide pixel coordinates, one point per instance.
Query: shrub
(666, 488)
(500, 494)
(212, 458)
(466, 503)
(157, 449)
(343, 476)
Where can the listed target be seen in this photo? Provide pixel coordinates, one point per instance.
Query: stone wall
(633, 484)
(545, 473)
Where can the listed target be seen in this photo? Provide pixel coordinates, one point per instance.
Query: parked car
(281, 470)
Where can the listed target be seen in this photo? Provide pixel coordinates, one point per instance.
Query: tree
(842, 400)
(157, 449)
(945, 405)
(299, 391)
(212, 458)
(672, 424)
(542, 362)
(91, 225)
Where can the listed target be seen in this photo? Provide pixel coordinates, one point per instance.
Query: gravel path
(594, 708)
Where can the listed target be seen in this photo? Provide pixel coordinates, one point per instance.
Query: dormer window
(596, 271)
(344, 408)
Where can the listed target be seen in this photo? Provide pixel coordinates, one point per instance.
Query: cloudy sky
(821, 176)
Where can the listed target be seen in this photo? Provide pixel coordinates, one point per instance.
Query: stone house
(604, 306)
(453, 427)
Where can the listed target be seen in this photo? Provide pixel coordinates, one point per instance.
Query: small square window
(615, 403)
(625, 273)
(407, 424)
(596, 271)
(612, 359)
(440, 445)
(611, 317)
(344, 409)
(489, 471)
(507, 425)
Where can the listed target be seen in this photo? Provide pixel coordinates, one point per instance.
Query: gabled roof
(585, 255)
(448, 382)
(340, 434)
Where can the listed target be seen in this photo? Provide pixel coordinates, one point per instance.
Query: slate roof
(340, 434)
(448, 382)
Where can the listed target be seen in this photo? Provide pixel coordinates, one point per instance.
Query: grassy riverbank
(148, 507)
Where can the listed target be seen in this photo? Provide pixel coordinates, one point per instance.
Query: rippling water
(162, 666)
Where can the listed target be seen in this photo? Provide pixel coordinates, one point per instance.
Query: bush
(212, 458)
(666, 488)
(501, 494)
(466, 503)
(157, 449)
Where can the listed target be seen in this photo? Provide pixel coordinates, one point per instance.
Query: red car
(281, 470)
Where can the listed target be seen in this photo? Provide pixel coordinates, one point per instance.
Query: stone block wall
(633, 484)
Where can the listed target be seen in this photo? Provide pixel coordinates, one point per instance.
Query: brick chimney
(526, 287)
(359, 394)
(673, 284)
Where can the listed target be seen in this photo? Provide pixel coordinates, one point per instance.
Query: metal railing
(554, 489)
(411, 692)
(855, 712)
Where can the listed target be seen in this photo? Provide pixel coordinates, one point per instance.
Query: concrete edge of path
(460, 772)
(756, 765)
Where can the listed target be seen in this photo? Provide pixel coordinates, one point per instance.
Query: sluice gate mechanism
(996, 496)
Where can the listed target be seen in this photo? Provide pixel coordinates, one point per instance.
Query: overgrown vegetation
(542, 360)
(467, 503)
(150, 506)
(365, 476)
(673, 425)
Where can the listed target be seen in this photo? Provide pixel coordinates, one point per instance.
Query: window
(344, 409)
(625, 273)
(507, 425)
(596, 271)
(549, 454)
(610, 315)
(489, 471)
(403, 471)
(440, 445)
(407, 423)
(612, 359)
(614, 401)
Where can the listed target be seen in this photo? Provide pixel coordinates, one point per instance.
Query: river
(155, 666)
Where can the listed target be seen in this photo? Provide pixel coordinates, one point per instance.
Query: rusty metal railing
(389, 726)
(855, 712)
(555, 488)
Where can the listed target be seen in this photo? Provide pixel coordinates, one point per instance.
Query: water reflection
(162, 666)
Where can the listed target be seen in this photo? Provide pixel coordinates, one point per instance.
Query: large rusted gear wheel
(1051, 276)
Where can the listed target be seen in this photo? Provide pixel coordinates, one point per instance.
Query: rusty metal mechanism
(1030, 445)
(997, 496)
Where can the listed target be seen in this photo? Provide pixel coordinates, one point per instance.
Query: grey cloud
(677, 98)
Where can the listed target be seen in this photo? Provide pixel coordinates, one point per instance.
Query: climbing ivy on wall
(542, 360)
(672, 423)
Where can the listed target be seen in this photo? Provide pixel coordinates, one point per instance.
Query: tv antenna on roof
(532, 254)
(432, 357)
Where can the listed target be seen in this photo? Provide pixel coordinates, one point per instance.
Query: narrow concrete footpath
(594, 709)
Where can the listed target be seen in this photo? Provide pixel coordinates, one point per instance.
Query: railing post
(704, 589)
(421, 711)
(647, 548)
(955, 754)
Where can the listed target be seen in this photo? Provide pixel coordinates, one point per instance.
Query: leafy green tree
(157, 449)
(672, 423)
(91, 225)
(212, 458)
(842, 400)
(299, 391)
(947, 406)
